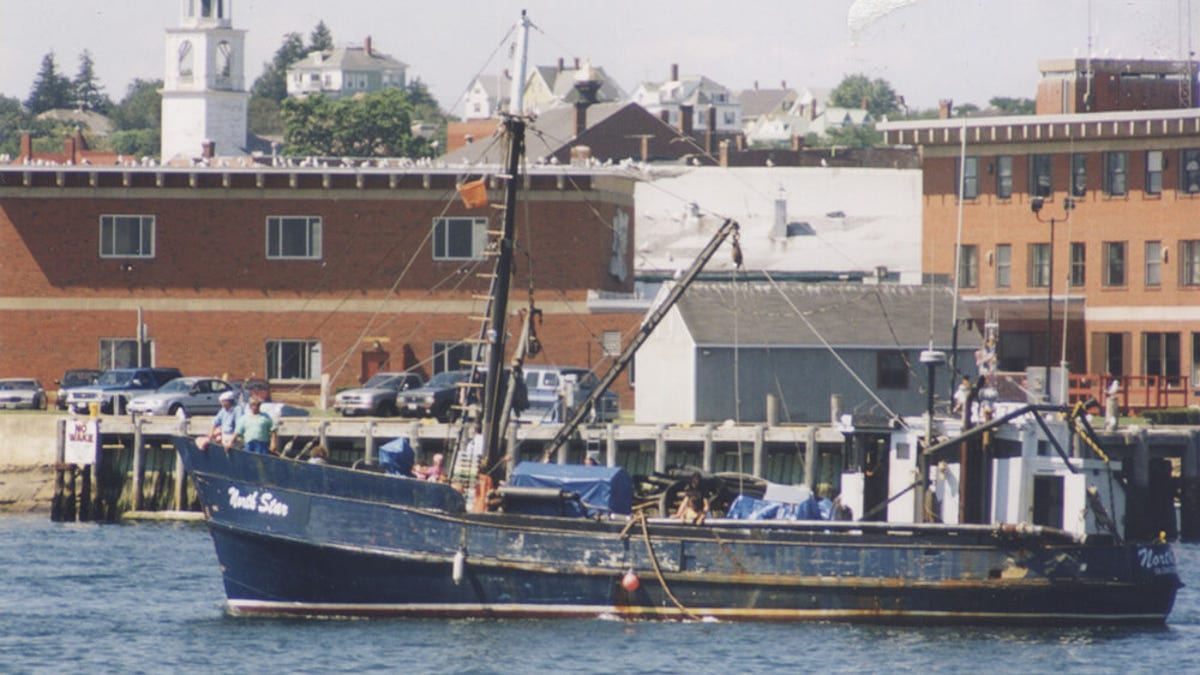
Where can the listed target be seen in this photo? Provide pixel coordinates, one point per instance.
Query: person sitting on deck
(433, 472)
(693, 508)
(257, 429)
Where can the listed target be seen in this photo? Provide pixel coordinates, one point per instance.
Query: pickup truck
(116, 387)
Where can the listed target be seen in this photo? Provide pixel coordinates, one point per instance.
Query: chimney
(674, 72)
(645, 138)
(723, 153)
(665, 116)
(783, 84)
(367, 45)
(208, 149)
(69, 150)
(945, 107)
(26, 146)
(812, 110)
(756, 85)
(797, 144)
(576, 63)
(740, 142)
(580, 118)
(779, 231)
(560, 64)
(711, 130)
(685, 120)
(863, 103)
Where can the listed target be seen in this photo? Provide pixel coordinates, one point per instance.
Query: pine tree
(320, 38)
(50, 90)
(272, 84)
(89, 95)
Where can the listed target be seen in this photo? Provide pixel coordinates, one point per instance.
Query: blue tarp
(601, 489)
(749, 508)
(397, 457)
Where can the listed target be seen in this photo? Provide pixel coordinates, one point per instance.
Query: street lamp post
(1036, 206)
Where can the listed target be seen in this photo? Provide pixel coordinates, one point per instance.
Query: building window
(1154, 263)
(1039, 265)
(186, 60)
(1114, 263)
(1078, 263)
(1040, 179)
(1189, 170)
(126, 236)
(294, 237)
(123, 353)
(1078, 175)
(968, 266)
(1116, 166)
(1114, 353)
(298, 360)
(969, 177)
(450, 355)
(1189, 263)
(1004, 185)
(1154, 172)
(892, 370)
(459, 238)
(610, 342)
(1003, 265)
(1162, 356)
(224, 60)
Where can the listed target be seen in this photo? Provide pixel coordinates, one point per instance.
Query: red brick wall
(211, 298)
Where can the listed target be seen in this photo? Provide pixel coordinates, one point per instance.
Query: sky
(967, 51)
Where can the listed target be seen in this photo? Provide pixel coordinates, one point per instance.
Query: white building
(697, 96)
(203, 95)
(345, 71)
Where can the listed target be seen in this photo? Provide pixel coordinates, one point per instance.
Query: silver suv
(378, 395)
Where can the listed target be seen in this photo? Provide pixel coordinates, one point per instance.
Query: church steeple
(204, 97)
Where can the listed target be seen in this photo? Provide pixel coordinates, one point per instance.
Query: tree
(50, 90)
(376, 125)
(1014, 106)
(141, 108)
(854, 89)
(89, 95)
(272, 84)
(854, 136)
(320, 38)
(13, 121)
(264, 116)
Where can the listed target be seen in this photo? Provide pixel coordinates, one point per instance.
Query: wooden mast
(494, 413)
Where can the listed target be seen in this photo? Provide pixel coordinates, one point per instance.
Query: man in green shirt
(256, 428)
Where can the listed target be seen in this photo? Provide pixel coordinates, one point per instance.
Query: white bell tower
(203, 94)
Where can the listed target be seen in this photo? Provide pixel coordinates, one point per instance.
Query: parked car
(435, 399)
(547, 385)
(22, 393)
(378, 395)
(114, 389)
(75, 377)
(248, 387)
(191, 395)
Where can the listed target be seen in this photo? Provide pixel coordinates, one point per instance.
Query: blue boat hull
(300, 539)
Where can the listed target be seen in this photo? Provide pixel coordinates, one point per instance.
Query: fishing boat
(930, 524)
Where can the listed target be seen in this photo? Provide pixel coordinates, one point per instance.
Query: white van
(553, 388)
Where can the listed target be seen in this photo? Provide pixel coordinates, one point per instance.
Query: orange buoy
(630, 581)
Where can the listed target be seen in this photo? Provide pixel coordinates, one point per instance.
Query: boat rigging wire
(830, 348)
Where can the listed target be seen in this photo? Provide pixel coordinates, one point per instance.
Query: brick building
(299, 275)
(1125, 264)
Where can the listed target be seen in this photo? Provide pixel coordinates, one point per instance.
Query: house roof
(353, 58)
(561, 82)
(862, 218)
(797, 314)
(757, 102)
(613, 132)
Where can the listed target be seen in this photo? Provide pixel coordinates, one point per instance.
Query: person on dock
(224, 424)
(256, 428)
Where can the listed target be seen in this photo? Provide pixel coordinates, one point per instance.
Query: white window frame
(442, 237)
(312, 236)
(109, 240)
(308, 356)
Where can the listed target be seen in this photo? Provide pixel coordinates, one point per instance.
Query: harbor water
(147, 598)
